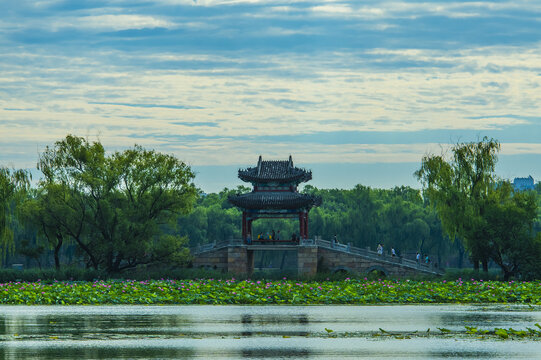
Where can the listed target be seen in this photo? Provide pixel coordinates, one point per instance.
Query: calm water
(273, 332)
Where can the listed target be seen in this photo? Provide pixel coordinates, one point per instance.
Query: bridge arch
(237, 258)
(378, 269)
(341, 269)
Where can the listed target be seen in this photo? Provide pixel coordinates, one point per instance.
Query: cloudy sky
(357, 91)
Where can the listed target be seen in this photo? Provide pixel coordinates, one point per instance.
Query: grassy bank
(232, 291)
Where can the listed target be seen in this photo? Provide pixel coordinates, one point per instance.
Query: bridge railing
(212, 246)
(369, 253)
(347, 248)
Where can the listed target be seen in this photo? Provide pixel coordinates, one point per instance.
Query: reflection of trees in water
(81, 324)
(246, 319)
(147, 324)
(265, 325)
(482, 319)
(90, 352)
(463, 354)
(13, 325)
(303, 319)
(3, 325)
(276, 353)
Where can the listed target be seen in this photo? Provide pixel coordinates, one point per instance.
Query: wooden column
(303, 224)
(249, 229)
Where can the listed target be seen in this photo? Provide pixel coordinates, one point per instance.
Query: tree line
(118, 210)
(362, 216)
(138, 207)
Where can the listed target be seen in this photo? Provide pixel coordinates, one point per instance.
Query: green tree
(508, 227)
(118, 208)
(13, 185)
(420, 230)
(50, 211)
(472, 205)
(362, 216)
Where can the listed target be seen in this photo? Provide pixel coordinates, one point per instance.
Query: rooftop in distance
(277, 171)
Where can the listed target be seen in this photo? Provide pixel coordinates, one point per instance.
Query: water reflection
(47, 352)
(246, 319)
(275, 332)
(269, 348)
(275, 353)
(486, 319)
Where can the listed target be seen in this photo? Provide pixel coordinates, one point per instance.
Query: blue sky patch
(357, 90)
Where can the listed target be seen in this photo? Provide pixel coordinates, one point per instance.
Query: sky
(356, 91)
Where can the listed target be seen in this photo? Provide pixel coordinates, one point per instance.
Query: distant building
(521, 184)
(274, 195)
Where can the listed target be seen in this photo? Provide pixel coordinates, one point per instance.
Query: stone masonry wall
(307, 257)
(239, 260)
(214, 259)
(334, 260)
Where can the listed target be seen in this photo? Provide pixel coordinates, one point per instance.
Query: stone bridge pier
(312, 256)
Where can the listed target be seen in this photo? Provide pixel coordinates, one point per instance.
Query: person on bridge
(393, 252)
(334, 241)
(418, 258)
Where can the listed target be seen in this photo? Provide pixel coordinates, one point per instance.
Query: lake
(269, 332)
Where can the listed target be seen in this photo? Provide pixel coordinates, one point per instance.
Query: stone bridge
(312, 255)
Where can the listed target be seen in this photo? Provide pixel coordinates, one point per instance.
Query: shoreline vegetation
(232, 291)
(118, 212)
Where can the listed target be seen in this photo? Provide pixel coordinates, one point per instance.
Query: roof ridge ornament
(275, 171)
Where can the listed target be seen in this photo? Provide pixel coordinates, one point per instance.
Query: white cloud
(521, 148)
(332, 9)
(114, 22)
(286, 89)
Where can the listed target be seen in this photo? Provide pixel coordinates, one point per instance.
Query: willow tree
(508, 227)
(118, 207)
(459, 187)
(12, 184)
(50, 211)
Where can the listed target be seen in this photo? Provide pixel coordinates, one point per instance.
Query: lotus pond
(443, 331)
(283, 292)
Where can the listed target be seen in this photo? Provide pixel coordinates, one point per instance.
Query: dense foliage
(362, 216)
(119, 210)
(114, 212)
(12, 184)
(495, 222)
(283, 291)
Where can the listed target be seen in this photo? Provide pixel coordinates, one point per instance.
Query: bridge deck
(384, 260)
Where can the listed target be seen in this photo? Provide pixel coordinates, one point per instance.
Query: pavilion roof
(275, 171)
(275, 200)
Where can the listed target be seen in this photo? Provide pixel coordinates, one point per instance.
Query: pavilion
(274, 195)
